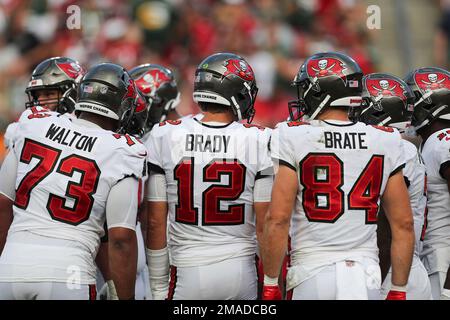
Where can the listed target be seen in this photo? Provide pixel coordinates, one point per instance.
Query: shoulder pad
(172, 122)
(383, 128)
(35, 112)
(444, 135)
(250, 125)
(129, 139)
(296, 123)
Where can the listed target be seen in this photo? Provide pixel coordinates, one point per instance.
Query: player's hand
(108, 291)
(396, 295)
(271, 292)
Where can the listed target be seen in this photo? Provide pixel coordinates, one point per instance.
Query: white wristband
(398, 288)
(158, 269)
(445, 294)
(268, 281)
(111, 290)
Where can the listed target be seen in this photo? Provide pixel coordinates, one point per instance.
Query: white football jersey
(12, 127)
(197, 116)
(343, 169)
(436, 155)
(415, 178)
(210, 173)
(9, 134)
(64, 175)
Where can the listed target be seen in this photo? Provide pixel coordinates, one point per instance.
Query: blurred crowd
(274, 35)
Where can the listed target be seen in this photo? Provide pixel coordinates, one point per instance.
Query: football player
(104, 282)
(158, 83)
(334, 171)
(431, 119)
(62, 179)
(53, 85)
(213, 178)
(389, 101)
(159, 87)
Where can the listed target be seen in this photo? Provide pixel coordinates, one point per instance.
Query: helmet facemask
(298, 108)
(64, 103)
(245, 100)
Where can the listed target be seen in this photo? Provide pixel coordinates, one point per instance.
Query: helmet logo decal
(318, 68)
(427, 81)
(385, 87)
(150, 81)
(131, 91)
(239, 68)
(140, 104)
(71, 69)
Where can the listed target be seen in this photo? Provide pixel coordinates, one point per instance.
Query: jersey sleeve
(281, 148)
(265, 164)
(134, 158)
(442, 156)
(10, 135)
(153, 144)
(35, 113)
(411, 155)
(28, 118)
(396, 155)
(121, 208)
(8, 175)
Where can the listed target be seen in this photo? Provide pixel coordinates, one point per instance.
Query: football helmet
(57, 73)
(431, 87)
(226, 79)
(108, 90)
(138, 123)
(327, 79)
(158, 84)
(387, 101)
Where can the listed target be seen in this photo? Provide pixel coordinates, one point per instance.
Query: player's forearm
(102, 261)
(157, 251)
(261, 209)
(402, 250)
(122, 253)
(156, 225)
(156, 237)
(274, 246)
(142, 218)
(399, 214)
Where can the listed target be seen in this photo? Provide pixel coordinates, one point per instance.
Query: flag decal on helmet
(353, 84)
